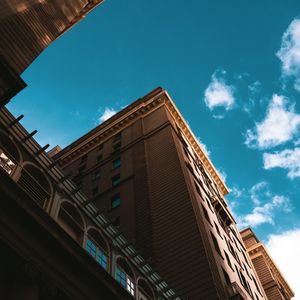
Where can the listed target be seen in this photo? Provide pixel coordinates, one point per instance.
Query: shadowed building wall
(27, 27)
(145, 170)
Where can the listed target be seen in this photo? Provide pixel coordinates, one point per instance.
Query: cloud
(264, 213)
(254, 87)
(218, 93)
(288, 159)
(108, 112)
(259, 190)
(279, 126)
(289, 53)
(284, 249)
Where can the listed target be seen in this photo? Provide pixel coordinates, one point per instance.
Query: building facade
(27, 27)
(273, 282)
(55, 244)
(145, 170)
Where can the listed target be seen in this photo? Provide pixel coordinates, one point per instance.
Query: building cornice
(259, 250)
(134, 111)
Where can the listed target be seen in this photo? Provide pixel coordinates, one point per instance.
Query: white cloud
(289, 53)
(218, 93)
(257, 191)
(288, 159)
(279, 126)
(284, 249)
(108, 112)
(264, 213)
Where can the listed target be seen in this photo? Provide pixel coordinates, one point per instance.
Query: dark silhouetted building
(27, 27)
(273, 282)
(145, 170)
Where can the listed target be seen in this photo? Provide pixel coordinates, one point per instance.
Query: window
(91, 248)
(209, 204)
(97, 174)
(206, 214)
(118, 136)
(256, 285)
(83, 158)
(125, 281)
(6, 163)
(116, 222)
(115, 201)
(95, 191)
(117, 147)
(218, 230)
(216, 244)
(100, 147)
(228, 260)
(81, 169)
(227, 278)
(102, 259)
(116, 180)
(96, 253)
(198, 189)
(100, 157)
(117, 163)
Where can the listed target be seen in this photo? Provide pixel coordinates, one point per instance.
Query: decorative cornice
(260, 250)
(125, 117)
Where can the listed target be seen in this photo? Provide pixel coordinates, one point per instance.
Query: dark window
(95, 191)
(81, 169)
(209, 204)
(115, 201)
(97, 174)
(256, 285)
(100, 147)
(227, 278)
(116, 180)
(83, 158)
(100, 157)
(216, 245)
(198, 189)
(117, 163)
(117, 147)
(218, 230)
(118, 136)
(206, 214)
(116, 222)
(228, 260)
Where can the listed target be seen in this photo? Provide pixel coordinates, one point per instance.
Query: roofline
(160, 95)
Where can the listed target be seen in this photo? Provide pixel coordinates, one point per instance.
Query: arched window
(125, 276)
(145, 290)
(97, 247)
(71, 221)
(35, 183)
(9, 154)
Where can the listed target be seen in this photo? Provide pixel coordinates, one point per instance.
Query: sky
(232, 68)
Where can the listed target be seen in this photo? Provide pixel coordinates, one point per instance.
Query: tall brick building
(273, 282)
(145, 170)
(27, 27)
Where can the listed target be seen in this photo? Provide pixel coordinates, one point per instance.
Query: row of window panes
(121, 276)
(97, 253)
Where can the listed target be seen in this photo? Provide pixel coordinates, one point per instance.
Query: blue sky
(233, 70)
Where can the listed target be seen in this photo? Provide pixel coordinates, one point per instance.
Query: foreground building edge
(26, 29)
